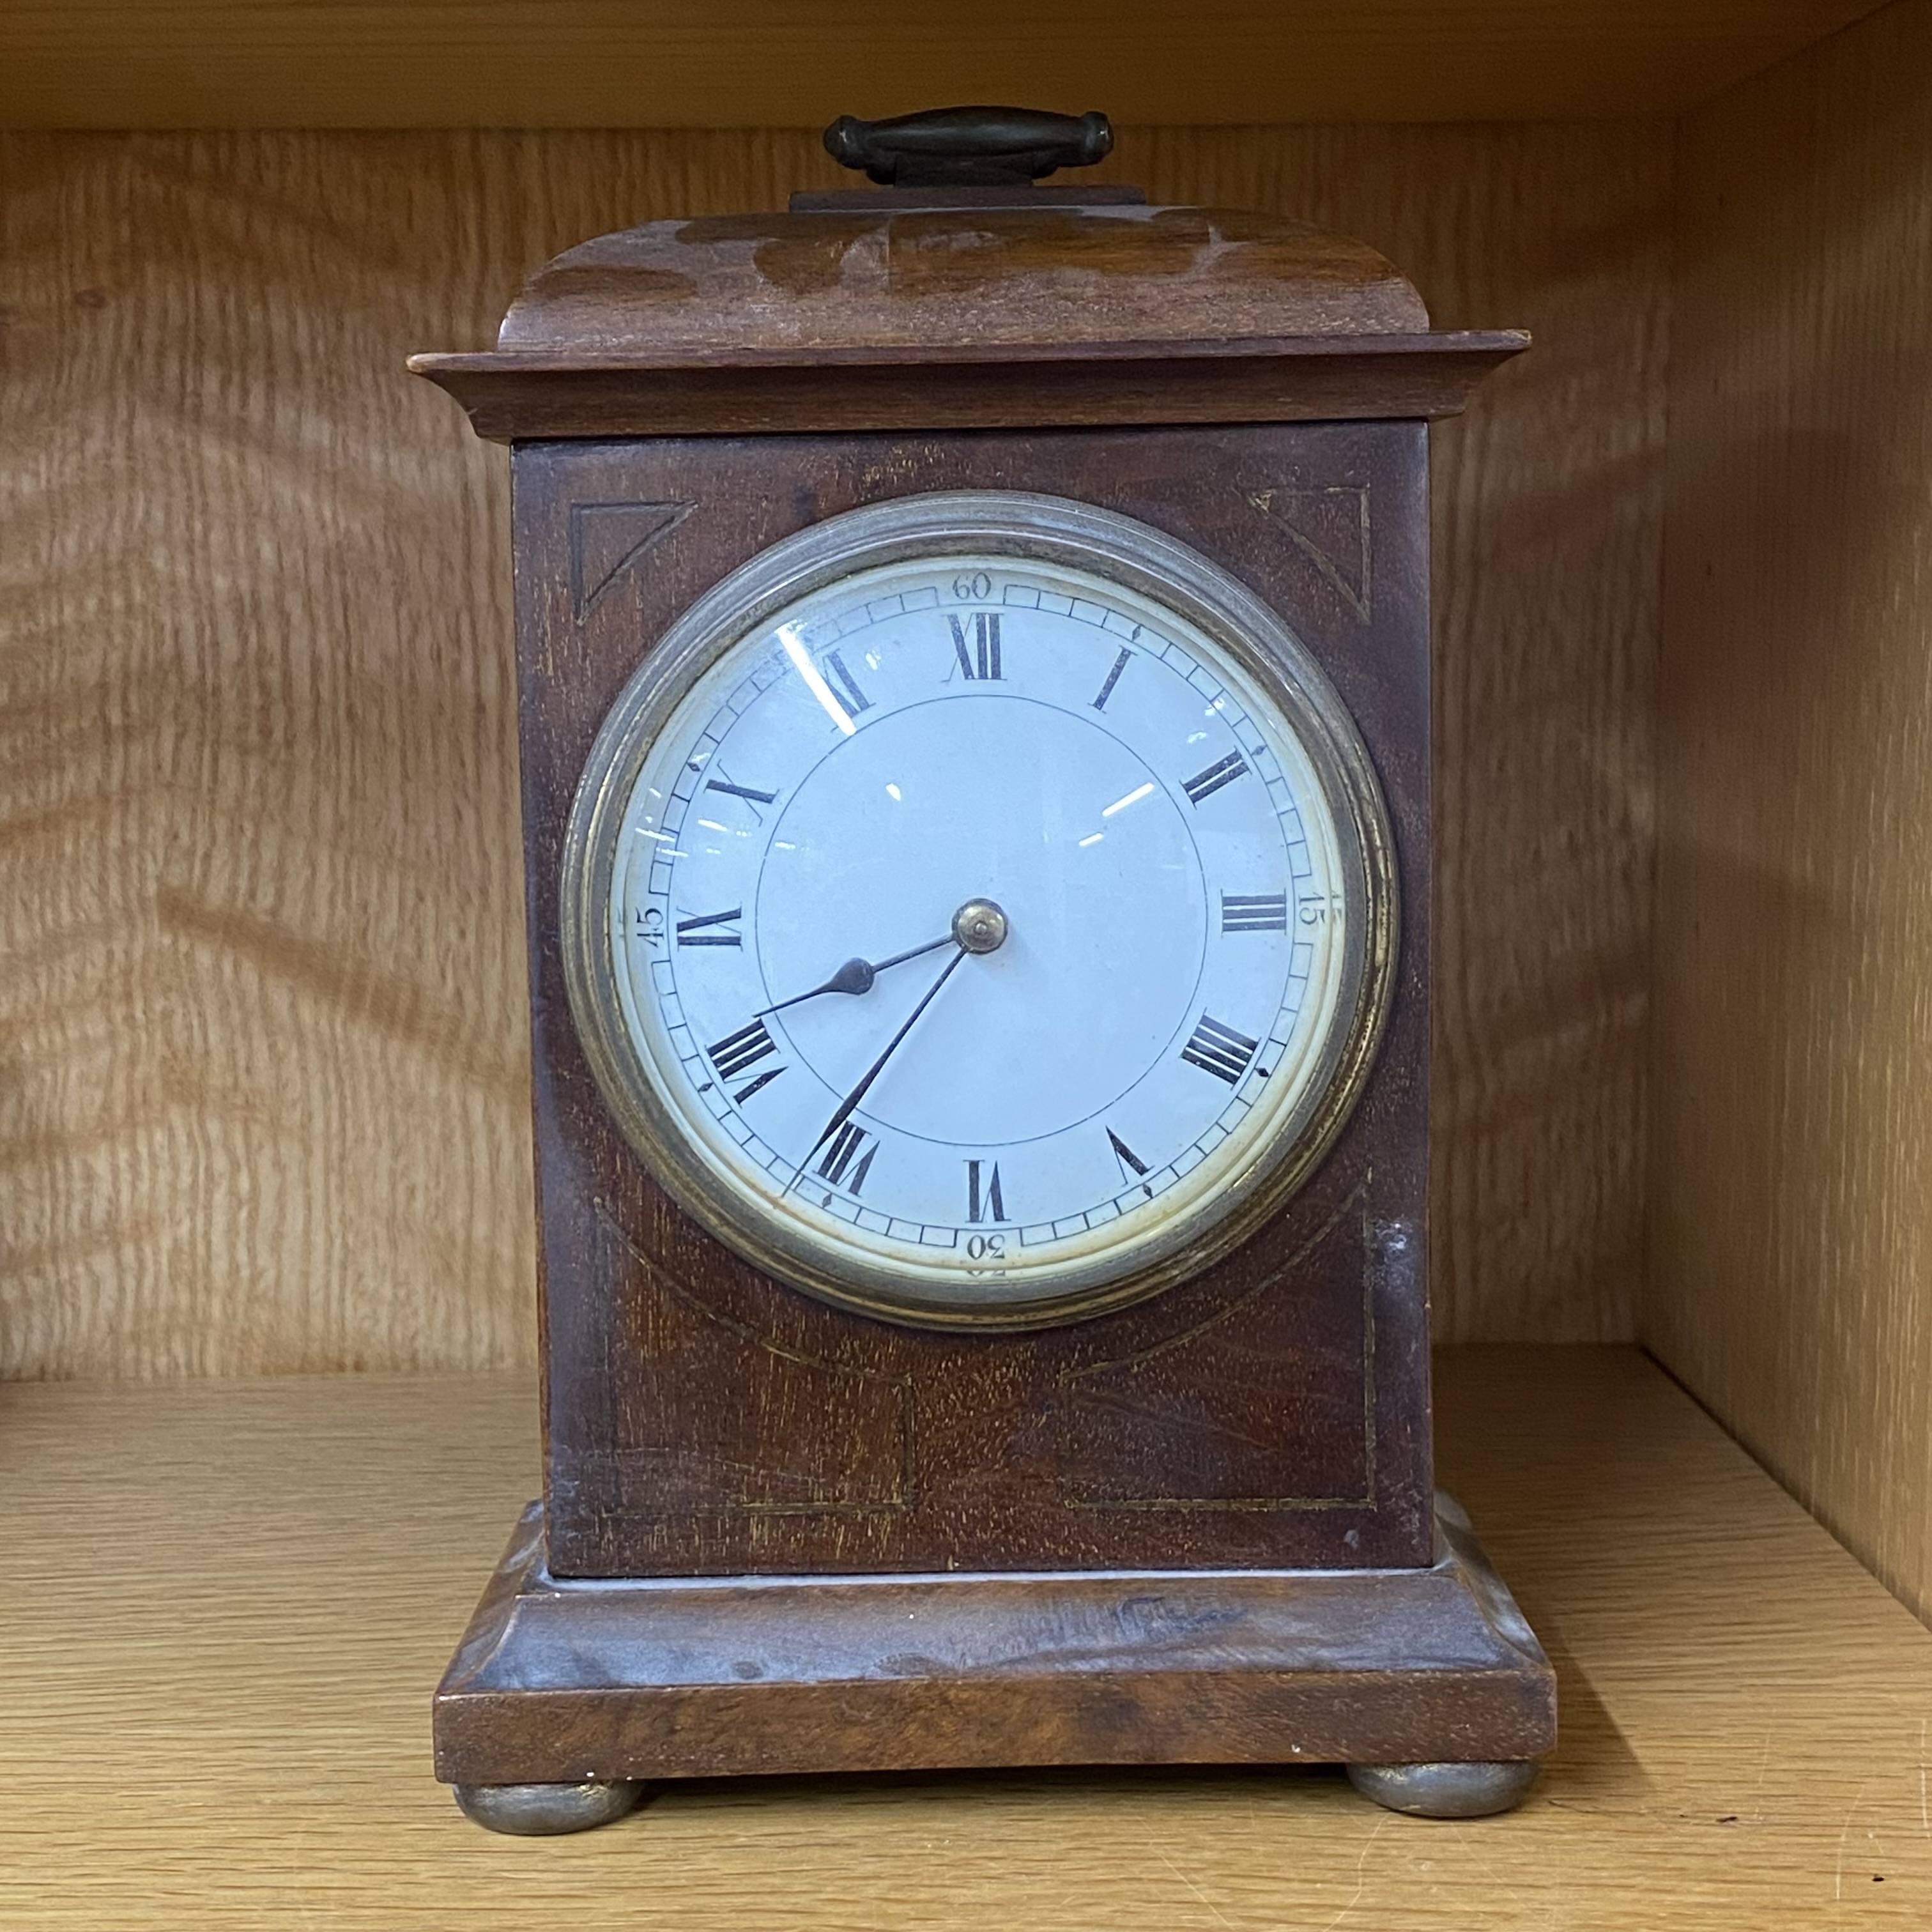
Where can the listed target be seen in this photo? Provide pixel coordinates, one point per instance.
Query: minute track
(1135, 841)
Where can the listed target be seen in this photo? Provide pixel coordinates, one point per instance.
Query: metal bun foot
(543, 1810)
(1445, 1790)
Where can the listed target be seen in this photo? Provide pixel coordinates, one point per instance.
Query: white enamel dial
(982, 919)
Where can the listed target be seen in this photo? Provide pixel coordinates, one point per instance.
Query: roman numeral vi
(983, 1203)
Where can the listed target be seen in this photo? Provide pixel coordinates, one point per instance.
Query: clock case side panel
(703, 1419)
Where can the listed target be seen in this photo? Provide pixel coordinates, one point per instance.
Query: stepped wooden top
(890, 310)
(947, 277)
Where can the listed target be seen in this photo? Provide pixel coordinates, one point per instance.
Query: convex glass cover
(978, 908)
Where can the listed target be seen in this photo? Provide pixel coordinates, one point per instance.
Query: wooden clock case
(778, 1536)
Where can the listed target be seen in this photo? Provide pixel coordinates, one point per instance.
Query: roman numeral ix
(982, 660)
(693, 931)
(1219, 1050)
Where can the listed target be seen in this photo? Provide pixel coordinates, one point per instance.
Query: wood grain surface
(226, 1606)
(1271, 1408)
(263, 1101)
(698, 63)
(1792, 1217)
(849, 274)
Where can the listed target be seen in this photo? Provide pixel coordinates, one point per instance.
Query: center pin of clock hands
(979, 926)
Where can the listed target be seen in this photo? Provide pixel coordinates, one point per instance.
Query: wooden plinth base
(661, 1677)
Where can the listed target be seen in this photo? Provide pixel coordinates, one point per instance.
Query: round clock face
(978, 909)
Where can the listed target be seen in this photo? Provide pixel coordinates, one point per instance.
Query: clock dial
(978, 920)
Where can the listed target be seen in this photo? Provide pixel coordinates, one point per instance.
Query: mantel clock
(973, 665)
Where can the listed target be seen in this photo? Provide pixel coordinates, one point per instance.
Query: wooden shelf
(228, 1604)
(693, 64)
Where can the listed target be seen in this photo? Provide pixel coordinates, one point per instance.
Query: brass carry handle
(968, 147)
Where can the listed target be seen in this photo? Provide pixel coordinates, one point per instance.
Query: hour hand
(856, 976)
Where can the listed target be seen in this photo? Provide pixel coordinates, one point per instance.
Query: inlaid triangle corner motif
(1329, 526)
(607, 539)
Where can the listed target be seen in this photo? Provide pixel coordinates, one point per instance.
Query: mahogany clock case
(704, 1419)
(779, 1534)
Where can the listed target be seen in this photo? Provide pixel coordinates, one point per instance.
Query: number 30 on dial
(978, 909)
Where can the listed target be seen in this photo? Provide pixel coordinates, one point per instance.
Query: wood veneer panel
(1791, 1178)
(244, 1742)
(746, 63)
(1548, 539)
(264, 1106)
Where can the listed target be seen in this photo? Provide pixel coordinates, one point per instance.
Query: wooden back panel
(268, 1094)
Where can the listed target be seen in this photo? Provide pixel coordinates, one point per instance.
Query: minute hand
(850, 1102)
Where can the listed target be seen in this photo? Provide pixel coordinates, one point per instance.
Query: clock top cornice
(954, 309)
(833, 277)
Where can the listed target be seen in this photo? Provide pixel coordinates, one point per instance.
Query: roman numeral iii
(982, 659)
(1219, 1050)
(1254, 912)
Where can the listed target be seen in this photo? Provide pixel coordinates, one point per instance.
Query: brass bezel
(1050, 529)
